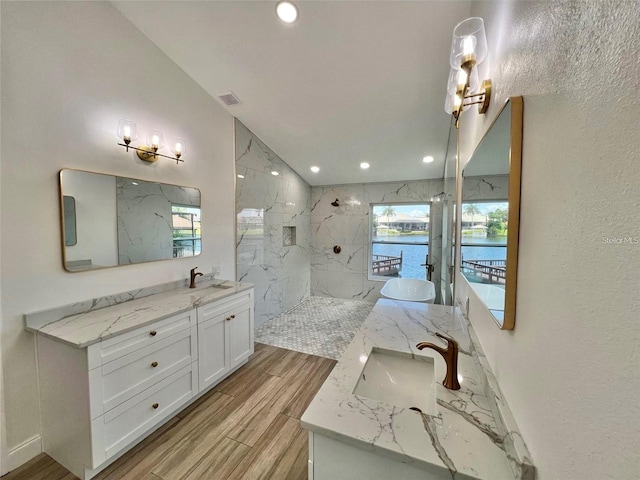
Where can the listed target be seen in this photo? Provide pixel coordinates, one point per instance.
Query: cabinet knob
(233, 316)
(154, 364)
(153, 333)
(228, 318)
(155, 405)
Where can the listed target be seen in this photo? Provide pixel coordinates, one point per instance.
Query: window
(187, 240)
(484, 241)
(399, 240)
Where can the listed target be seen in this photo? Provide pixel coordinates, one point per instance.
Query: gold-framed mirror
(109, 221)
(490, 215)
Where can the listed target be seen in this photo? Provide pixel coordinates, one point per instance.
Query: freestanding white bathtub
(491, 295)
(410, 289)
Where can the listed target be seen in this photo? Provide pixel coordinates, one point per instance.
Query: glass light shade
(127, 130)
(179, 147)
(155, 139)
(469, 40)
(474, 81)
(286, 11)
(448, 103)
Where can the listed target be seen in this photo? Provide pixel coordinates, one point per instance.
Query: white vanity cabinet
(98, 400)
(225, 337)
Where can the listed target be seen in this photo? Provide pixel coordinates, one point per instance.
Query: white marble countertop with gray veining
(83, 329)
(462, 440)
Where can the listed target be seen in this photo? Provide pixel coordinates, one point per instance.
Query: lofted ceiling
(349, 82)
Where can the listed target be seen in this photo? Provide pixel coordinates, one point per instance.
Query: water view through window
(484, 241)
(399, 240)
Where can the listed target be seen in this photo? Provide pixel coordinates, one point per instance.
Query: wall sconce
(127, 131)
(468, 50)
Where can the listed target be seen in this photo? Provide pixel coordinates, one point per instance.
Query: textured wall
(264, 205)
(570, 368)
(346, 275)
(70, 71)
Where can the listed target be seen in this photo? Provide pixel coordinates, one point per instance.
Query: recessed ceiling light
(275, 173)
(240, 175)
(364, 165)
(286, 11)
(315, 169)
(428, 159)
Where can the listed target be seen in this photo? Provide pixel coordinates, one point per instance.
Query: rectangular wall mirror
(490, 215)
(121, 221)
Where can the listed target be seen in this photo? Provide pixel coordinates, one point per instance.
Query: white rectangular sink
(206, 288)
(399, 379)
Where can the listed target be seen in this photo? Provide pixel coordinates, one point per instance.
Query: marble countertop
(463, 440)
(95, 325)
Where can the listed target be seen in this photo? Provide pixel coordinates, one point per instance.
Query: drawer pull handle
(153, 333)
(154, 364)
(228, 318)
(155, 405)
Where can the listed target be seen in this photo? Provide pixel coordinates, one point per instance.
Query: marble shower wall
(265, 204)
(145, 225)
(345, 275)
(488, 187)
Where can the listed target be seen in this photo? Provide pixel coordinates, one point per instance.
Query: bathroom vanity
(110, 376)
(406, 425)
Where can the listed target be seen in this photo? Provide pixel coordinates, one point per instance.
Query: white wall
(570, 368)
(70, 71)
(96, 224)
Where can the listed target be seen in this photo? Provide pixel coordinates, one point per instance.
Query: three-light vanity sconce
(468, 50)
(127, 131)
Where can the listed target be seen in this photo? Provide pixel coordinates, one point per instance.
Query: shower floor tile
(318, 326)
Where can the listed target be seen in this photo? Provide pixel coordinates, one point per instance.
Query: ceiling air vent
(229, 98)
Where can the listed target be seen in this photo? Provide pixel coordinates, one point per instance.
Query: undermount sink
(221, 287)
(207, 286)
(399, 379)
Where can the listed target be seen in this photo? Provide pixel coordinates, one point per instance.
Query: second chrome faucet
(450, 355)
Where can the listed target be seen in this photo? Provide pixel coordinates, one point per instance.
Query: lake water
(414, 255)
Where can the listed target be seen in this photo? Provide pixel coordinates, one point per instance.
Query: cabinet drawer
(130, 420)
(128, 342)
(214, 309)
(131, 374)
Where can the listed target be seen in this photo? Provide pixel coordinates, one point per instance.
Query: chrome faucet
(194, 274)
(450, 355)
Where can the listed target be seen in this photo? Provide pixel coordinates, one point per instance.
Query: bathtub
(491, 295)
(410, 289)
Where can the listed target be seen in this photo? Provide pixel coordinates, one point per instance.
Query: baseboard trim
(24, 452)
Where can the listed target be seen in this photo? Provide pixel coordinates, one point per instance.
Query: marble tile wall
(266, 203)
(145, 225)
(488, 187)
(345, 275)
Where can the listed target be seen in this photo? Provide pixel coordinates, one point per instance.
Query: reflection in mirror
(121, 221)
(490, 215)
(69, 208)
(448, 221)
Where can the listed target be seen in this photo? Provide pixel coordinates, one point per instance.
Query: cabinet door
(240, 334)
(212, 350)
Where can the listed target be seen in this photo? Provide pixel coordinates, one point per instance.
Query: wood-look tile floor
(247, 427)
